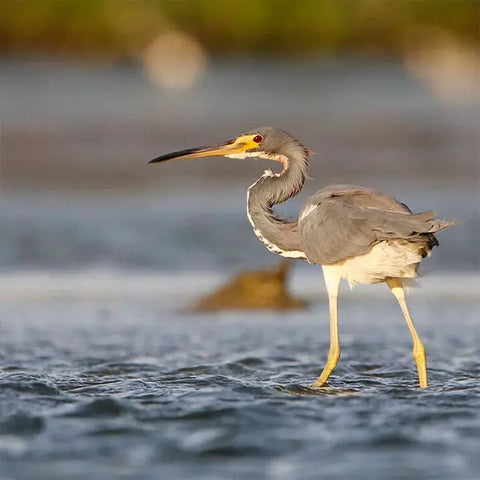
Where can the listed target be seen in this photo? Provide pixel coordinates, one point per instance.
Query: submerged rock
(257, 290)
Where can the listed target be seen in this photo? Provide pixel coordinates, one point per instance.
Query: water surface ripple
(119, 389)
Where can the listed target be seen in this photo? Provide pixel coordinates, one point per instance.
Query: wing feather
(344, 221)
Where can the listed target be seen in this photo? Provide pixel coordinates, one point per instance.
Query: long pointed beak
(235, 146)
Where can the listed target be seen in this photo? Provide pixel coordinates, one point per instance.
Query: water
(131, 388)
(188, 231)
(76, 126)
(101, 374)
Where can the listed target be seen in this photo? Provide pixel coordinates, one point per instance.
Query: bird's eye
(258, 139)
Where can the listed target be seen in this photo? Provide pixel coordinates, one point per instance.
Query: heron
(354, 233)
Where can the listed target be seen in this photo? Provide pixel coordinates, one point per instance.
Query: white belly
(391, 258)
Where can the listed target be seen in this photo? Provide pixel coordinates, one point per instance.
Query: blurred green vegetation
(117, 29)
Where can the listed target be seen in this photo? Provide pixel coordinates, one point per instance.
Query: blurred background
(385, 93)
(103, 373)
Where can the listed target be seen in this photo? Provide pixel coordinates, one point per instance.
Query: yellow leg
(332, 275)
(396, 286)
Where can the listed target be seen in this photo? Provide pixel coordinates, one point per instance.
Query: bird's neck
(279, 235)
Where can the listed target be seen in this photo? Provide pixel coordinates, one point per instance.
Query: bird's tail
(427, 226)
(437, 224)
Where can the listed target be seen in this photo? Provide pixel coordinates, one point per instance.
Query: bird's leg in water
(332, 275)
(396, 286)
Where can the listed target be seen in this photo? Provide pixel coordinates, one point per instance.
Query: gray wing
(343, 221)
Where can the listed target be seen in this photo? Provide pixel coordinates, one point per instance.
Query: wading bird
(354, 233)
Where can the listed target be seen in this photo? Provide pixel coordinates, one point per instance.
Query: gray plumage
(347, 220)
(343, 221)
(354, 233)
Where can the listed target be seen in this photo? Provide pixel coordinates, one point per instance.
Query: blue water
(101, 374)
(184, 231)
(100, 381)
(133, 389)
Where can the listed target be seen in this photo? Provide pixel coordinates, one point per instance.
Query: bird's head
(265, 142)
